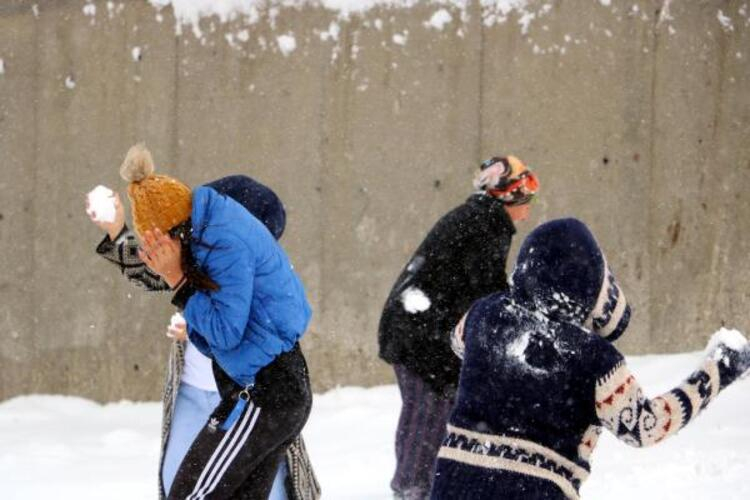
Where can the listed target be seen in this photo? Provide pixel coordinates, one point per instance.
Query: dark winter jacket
(462, 259)
(537, 384)
(302, 482)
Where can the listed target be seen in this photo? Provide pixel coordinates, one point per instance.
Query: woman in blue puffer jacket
(246, 309)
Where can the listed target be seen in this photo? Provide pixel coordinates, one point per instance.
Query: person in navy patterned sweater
(540, 377)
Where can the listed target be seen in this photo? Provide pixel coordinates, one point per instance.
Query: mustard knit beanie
(157, 201)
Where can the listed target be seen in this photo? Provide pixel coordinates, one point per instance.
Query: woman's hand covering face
(163, 255)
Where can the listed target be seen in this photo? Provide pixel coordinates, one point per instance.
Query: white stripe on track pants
(239, 463)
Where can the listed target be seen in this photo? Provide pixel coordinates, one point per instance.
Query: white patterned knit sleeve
(457, 338)
(623, 409)
(124, 253)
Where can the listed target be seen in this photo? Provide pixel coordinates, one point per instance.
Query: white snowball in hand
(177, 320)
(102, 206)
(732, 339)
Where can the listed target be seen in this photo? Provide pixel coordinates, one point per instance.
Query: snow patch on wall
(726, 21)
(287, 43)
(332, 33)
(89, 9)
(400, 38)
(190, 12)
(453, 15)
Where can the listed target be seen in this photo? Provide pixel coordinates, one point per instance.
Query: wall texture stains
(369, 129)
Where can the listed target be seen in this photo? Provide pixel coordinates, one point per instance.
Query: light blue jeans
(191, 412)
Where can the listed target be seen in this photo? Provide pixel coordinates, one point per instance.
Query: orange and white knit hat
(157, 201)
(508, 179)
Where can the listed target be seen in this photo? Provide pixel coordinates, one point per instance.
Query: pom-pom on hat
(157, 201)
(507, 179)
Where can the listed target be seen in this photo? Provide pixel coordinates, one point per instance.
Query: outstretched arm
(639, 421)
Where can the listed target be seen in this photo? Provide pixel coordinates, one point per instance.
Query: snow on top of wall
(190, 12)
(439, 19)
(89, 9)
(448, 16)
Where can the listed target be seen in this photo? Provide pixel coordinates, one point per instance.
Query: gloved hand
(731, 351)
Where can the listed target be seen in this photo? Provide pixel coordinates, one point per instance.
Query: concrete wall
(636, 121)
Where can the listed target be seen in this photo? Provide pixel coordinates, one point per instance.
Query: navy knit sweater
(539, 381)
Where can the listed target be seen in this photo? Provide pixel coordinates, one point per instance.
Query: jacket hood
(562, 273)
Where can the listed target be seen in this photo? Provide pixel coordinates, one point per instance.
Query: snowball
(101, 206)
(733, 339)
(2, 67)
(70, 82)
(136, 53)
(177, 320)
(287, 44)
(415, 300)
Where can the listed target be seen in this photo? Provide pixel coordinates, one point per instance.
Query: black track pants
(237, 453)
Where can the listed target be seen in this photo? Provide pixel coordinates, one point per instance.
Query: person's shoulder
(221, 218)
(598, 356)
(498, 307)
(460, 222)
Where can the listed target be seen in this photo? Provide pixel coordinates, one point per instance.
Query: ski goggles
(519, 190)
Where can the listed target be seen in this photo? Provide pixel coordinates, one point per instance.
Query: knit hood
(562, 273)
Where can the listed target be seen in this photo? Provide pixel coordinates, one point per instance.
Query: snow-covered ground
(68, 448)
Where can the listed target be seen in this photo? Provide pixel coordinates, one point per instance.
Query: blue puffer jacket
(260, 309)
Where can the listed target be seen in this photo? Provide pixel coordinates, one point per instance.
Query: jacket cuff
(180, 298)
(106, 246)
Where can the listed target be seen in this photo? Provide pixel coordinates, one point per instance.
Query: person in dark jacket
(245, 309)
(190, 394)
(540, 377)
(461, 259)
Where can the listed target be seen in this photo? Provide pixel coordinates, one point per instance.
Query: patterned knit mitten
(731, 351)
